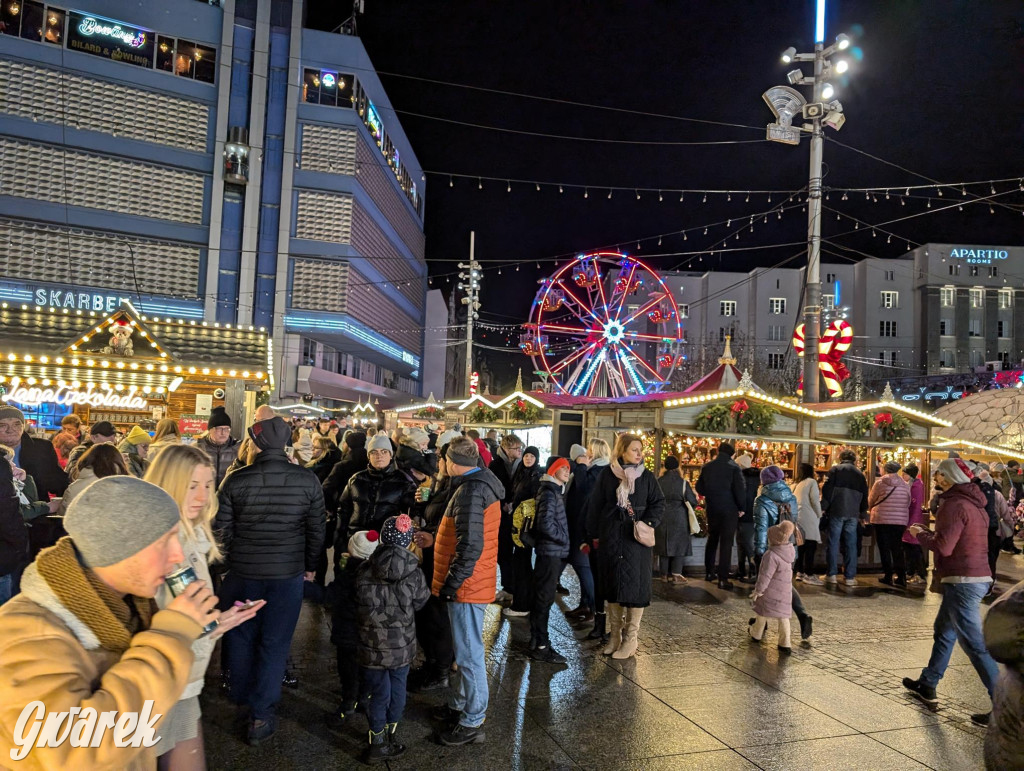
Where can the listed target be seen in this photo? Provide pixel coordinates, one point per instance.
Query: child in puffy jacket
(773, 592)
(389, 589)
(344, 624)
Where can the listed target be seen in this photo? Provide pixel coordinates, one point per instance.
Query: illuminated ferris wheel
(605, 324)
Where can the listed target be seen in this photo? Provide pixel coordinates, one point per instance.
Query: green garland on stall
(430, 412)
(525, 413)
(481, 414)
(898, 430)
(860, 425)
(757, 419)
(715, 419)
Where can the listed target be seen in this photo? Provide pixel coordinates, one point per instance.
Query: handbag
(690, 513)
(643, 533)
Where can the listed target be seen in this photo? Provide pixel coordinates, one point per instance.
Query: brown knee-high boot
(629, 635)
(615, 620)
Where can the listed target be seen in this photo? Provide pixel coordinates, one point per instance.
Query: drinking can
(176, 583)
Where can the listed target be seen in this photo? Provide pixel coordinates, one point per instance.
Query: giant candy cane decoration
(835, 341)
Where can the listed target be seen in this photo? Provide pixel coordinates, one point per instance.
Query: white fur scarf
(627, 476)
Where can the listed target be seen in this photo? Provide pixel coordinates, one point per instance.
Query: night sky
(939, 91)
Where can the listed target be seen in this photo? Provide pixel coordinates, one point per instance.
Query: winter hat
(397, 530)
(118, 516)
(998, 468)
(555, 463)
(102, 428)
(418, 435)
(780, 533)
(137, 436)
(671, 463)
(726, 449)
(892, 467)
(8, 412)
(531, 450)
(745, 460)
(356, 440)
(982, 466)
(460, 453)
(576, 451)
(446, 437)
(379, 442)
(770, 474)
(218, 417)
(272, 434)
(955, 470)
(362, 544)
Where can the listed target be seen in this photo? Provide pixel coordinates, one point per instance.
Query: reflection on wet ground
(698, 694)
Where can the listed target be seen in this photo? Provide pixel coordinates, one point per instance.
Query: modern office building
(223, 165)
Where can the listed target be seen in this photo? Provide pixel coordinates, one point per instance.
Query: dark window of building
(165, 54)
(206, 64)
(954, 270)
(776, 360)
(946, 358)
(54, 26)
(992, 271)
(311, 87)
(308, 352)
(10, 18)
(887, 328)
(830, 278)
(1000, 328)
(184, 59)
(974, 270)
(945, 326)
(32, 20)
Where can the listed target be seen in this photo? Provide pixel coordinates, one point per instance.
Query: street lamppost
(470, 284)
(787, 103)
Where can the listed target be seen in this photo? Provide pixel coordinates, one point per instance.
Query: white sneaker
(848, 581)
(830, 580)
(813, 580)
(509, 613)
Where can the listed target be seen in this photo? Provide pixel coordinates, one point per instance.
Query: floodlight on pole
(841, 66)
(827, 91)
(842, 41)
(788, 55)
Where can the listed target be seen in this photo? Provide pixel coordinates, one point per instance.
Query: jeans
(745, 546)
(805, 557)
(545, 579)
(959, 619)
(581, 564)
(469, 683)
(671, 565)
(386, 688)
(845, 528)
(522, 570)
(890, 547)
(721, 533)
(6, 587)
(258, 649)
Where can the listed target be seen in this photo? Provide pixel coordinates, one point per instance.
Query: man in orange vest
(465, 571)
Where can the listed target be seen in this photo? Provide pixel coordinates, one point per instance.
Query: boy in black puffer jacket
(390, 588)
(551, 544)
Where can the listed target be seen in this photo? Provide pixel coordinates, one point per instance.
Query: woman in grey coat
(672, 536)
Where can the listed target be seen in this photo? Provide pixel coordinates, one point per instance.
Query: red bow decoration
(740, 407)
(835, 341)
(883, 419)
(520, 404)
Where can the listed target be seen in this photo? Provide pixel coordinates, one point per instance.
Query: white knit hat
(363, 544)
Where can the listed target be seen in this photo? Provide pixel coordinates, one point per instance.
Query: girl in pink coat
(773, 593)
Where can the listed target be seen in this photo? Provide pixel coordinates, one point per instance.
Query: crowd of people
(407, 539)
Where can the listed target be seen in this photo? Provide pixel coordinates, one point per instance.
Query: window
(974, 328)
(777, 282)
(308, 352)
(977, 297)
(329, 360)
(890, 299)
(1004, 357)
(974, 270)
(946, 327)
(954, 270)
(1005, 299)
(890, 275)
(828, 302)
(327, 87)
(830, 278)
(992, 271)
(947, 296)
(1000, 329)
(887, 328)
(684, 311)
(727, 308)
(776, 332)
(723, 331)
(887, 357)
(946, 358)
(777, 306)
(977, 358)
(776, 360)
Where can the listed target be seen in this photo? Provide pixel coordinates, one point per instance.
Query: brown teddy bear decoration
(120, 340)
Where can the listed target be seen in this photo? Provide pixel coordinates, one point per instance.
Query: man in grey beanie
(85, 633)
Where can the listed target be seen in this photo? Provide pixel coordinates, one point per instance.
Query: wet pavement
(698, 694)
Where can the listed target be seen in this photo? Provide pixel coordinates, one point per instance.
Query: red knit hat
(556, 464)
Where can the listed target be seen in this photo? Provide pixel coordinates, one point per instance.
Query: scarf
(95, 604)
(627, 476)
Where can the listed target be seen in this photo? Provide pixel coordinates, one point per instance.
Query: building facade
(222, 165)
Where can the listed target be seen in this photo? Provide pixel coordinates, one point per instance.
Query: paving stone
(846, 753)
(937, 746)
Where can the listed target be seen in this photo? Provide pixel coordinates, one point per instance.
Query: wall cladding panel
(328, 148)
(374, 246)
(324, 217)
(369, 305)
(320, 285)
(379, 181)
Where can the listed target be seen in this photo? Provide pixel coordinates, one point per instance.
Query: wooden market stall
(126, 368)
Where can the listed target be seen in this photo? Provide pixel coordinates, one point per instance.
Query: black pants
(805, 557)
(522, 570)
(505, 553)
(890, 546)
(798, 605)
(745, 547)
(321, 562)
(598, 582)
(671, 565)
(916, 559)
(546, 571)
(348, 673)
(994, 544)
(434, 633)
(721, 532)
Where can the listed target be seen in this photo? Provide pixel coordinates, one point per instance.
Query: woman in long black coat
(672, 536)
(625, 492)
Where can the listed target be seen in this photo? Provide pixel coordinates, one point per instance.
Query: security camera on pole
(787, 103)
(470, 284)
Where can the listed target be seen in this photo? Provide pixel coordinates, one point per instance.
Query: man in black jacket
(14, 554)
(551, 546)
(36, 456)
(504, 466)
(844, 501)
(353, 460)
(725, 493)
(270, 526)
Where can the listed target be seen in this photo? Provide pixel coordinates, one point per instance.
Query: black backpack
(990, 503)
